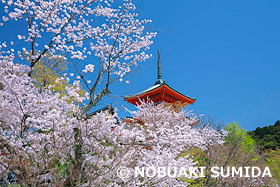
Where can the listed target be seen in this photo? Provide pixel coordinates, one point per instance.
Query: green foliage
(193, 183)
(48, 70)
(267, 137)
(239, 137)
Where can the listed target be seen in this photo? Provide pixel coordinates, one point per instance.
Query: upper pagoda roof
(160, 92)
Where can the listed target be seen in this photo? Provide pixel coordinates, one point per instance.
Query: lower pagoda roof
(160, 92)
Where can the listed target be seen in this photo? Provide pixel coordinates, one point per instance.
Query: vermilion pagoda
(160, 92)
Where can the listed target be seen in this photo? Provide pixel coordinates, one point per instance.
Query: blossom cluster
(108, 32)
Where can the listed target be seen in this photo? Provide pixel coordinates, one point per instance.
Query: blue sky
(224, 53)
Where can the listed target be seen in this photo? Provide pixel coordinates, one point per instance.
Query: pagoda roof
(160, 90)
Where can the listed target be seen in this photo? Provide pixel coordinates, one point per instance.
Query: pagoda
(160, 92)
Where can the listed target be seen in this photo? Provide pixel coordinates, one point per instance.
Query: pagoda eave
(162, 93)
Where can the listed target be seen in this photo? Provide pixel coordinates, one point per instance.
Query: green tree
(48, 70)
(239, 137)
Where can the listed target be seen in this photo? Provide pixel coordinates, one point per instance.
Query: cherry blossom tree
(102, 39)
(44, 143)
